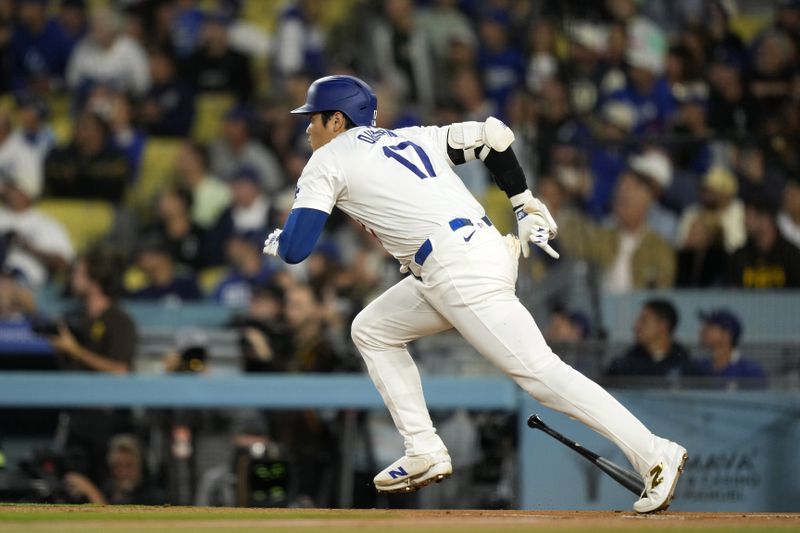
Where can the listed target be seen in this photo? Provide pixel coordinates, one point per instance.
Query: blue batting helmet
(347, 94)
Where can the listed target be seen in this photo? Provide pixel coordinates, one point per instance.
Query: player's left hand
(271, 244)
(536, 225)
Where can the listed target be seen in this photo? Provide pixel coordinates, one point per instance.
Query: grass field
(94, 519)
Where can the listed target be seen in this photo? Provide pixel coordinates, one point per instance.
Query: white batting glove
(536, 224)
(271, 244)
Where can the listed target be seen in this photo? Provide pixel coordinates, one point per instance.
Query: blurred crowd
(147, 149)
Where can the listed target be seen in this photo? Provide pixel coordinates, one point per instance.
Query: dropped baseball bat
(627, 478)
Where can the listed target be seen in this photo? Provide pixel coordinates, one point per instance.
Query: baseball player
(399, 184)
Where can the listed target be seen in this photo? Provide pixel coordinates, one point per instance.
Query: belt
(457, 223)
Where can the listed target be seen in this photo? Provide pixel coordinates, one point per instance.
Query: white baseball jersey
(399, 184)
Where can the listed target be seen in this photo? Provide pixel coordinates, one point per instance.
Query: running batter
(399, 184)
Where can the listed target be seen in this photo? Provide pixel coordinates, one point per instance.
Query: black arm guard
(506, 171)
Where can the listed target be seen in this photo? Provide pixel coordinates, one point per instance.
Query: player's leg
(473, 289)
(381, 332)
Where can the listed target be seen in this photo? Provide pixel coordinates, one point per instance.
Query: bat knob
(535, 422)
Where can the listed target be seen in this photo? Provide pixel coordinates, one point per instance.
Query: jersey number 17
(401, 153)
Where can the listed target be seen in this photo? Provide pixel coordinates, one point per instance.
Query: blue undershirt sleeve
(300, 233)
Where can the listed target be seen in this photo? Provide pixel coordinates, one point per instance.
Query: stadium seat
(157, 170)
(86, 221)
(210, 108)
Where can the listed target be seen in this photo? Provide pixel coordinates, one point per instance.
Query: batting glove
(536, 224)
(271, 244)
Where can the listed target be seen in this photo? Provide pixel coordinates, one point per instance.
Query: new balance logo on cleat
(655, 476)
(398, 473)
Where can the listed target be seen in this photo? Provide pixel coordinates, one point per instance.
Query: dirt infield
(91, 519)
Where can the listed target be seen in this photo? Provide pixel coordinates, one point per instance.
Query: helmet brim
(303, 110)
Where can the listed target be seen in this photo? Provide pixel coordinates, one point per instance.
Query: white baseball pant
(471, 286)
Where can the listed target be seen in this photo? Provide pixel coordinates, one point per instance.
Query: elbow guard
(467, 141)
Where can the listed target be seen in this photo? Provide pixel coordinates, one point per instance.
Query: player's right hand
(271, 244)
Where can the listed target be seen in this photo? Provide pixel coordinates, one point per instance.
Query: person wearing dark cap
(767, 260)
(250, 211)
(33, 128)
(247, 269)
(720, 336)
(163, 281)
(236, 147)
(656, 353)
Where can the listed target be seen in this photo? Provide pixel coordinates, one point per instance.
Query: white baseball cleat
(661, 480)
(412, 472)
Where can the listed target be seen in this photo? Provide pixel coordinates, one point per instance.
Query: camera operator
(127, 484)
(108, 337)
(256, 475)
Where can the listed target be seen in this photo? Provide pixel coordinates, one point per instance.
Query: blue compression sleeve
(300, 233)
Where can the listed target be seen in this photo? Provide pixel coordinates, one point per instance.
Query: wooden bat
(627, 478)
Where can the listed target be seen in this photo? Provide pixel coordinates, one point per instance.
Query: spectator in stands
(210, 196)
(770, 79)
(168, 106)
(176, 229)
(72, 20)
(39, 48)
(609, 157)
(543, 60)
(719, 335)
(232, 483)
(106, 55)
(468, 94)
(721, 40)
(731, 107)
(556, 125)
(789, 217)
(757, 175)
(647, 89)
(163, 280)
(502, 66)
(403, 54)
(312, 350)
(18, 159)
(711, 231)
(767, 260)
(128, 137)
(187, 27)
(236, 147)
(90, 167)
(567, 326)
(248, 269)
(128, 483)
(33, 113)
(34, 245)
(443, 23)
(654, 168)
(630, 253)
(656, 352)
(264, 338)
(215, 66)
(299, 40)
(250, 211)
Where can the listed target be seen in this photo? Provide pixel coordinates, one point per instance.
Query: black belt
(457, 223)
